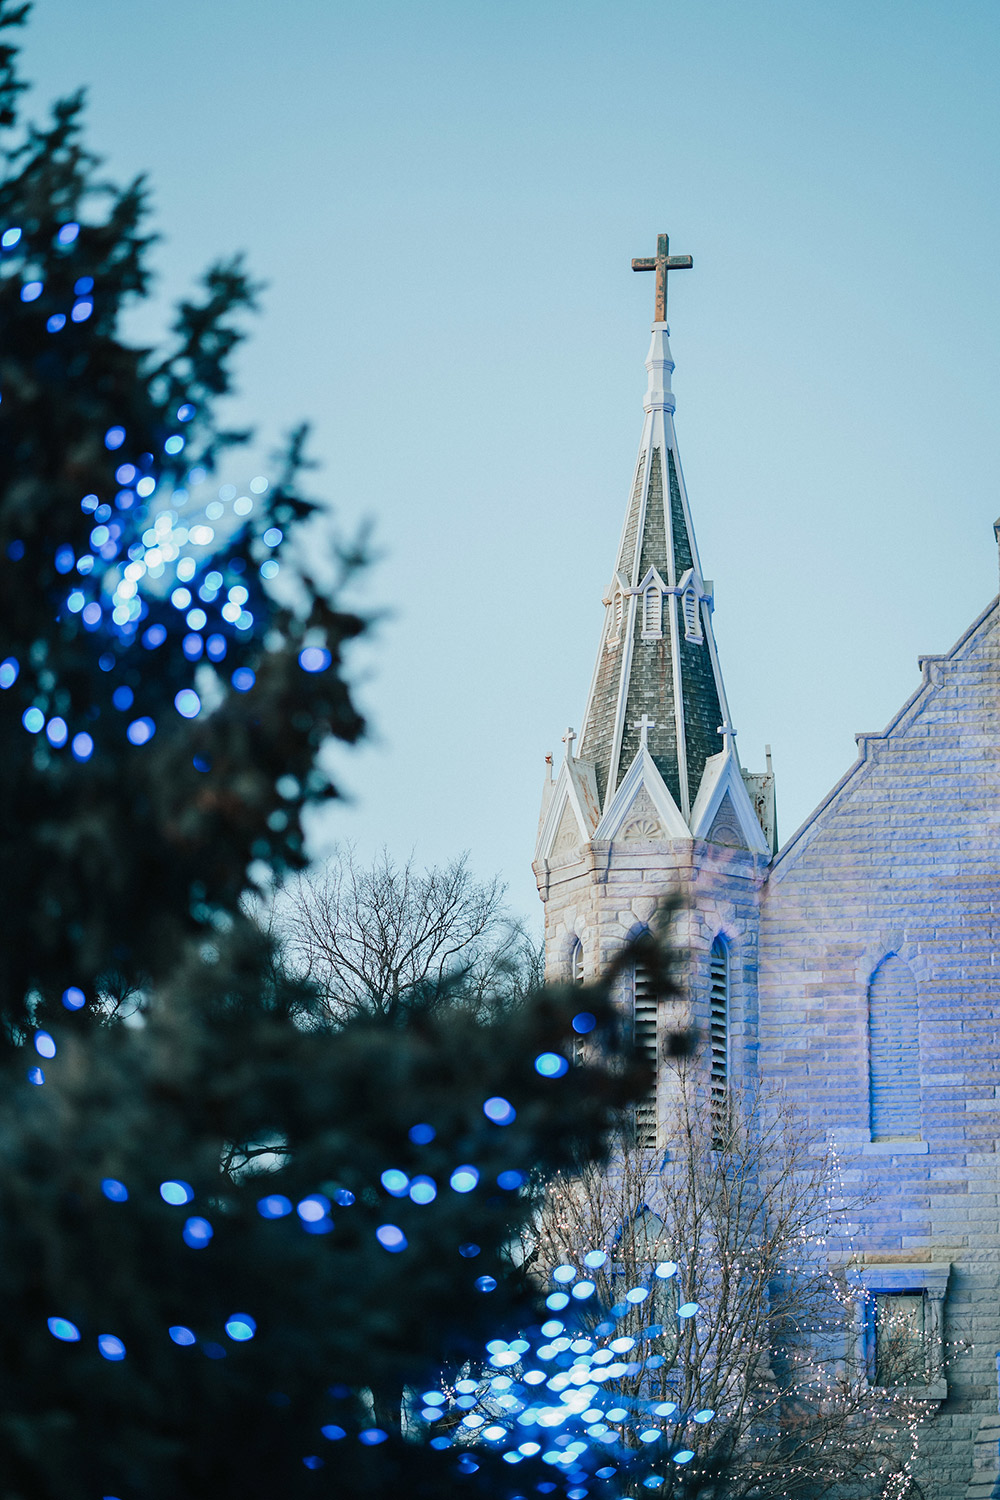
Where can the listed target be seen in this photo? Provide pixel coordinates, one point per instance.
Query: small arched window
(576, 963)
(893, 1052)
(692, 617)
(619, 613)
(644, 1019)
(719, 1037)
(652, 611)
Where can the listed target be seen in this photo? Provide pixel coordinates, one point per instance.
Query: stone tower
(656, 801)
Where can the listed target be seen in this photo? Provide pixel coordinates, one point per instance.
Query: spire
(657, 683)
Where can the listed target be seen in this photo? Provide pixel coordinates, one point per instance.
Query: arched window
(719, 1036)
(576, 963)
(576, 977)
(652, 611)
(619, 614)
(692, 618)
(644, 1009)
(893, 1052)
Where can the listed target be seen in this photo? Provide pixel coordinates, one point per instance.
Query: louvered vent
(576, 975)
(645, 1039)
(692, 623)
(619, 612)
(652, 611)
(577, 962)
(719, 1037)
(894, 1052)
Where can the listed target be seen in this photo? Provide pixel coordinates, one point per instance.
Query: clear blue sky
(444, 199)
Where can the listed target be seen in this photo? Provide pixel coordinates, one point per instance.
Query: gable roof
(930, 684)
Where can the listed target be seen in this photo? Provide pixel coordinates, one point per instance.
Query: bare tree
(383, 937)
(722, 1264)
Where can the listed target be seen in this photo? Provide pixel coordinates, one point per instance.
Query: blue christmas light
(81, 287)
(33, 720)
(57, 732)
(313, 658)
(110, 1347)
(240, 1327)
(176, 1192)
(140, 731)
(216, 647)
(584, 1022)
(500, 1110)
(82, 310)
(551, 1065)
(372, 1436)
(114, 437)
(82, 746)
(56, 323)
(395, 1182)
(197, 1232)
(154, 636)
(274, 1206)
(421, 1135)
(310, 1210)
(64, 1330)
(243, 679)
(192, 646)
(9, 238)
(187, 703)
(423, 1190)
(44, 1044)
(31, 291)
(464, 1179)
(9, 670)
(174, 444)
(391, 1238)
(74, 998)
(114, 1190)
(181, 1335)
(333, 1433)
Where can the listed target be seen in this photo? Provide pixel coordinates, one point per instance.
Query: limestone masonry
(859, 960)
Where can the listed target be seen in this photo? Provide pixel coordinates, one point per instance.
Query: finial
(728, 732)
(661, 263)
(644, 725)
(567, 740)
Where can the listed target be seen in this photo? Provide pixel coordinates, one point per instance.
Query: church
(854, 964)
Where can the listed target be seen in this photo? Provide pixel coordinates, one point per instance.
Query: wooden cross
(661, 264)
(644, 725)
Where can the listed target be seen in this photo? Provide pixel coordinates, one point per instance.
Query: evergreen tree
(230, 1236)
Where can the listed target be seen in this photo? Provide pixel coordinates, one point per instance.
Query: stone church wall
(903, 859)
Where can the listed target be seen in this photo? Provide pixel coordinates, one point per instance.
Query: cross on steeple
(644, 725)
(568, 739)
(661, 264)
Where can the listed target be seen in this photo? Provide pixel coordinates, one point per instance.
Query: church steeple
(657, 751)
(657, 661)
